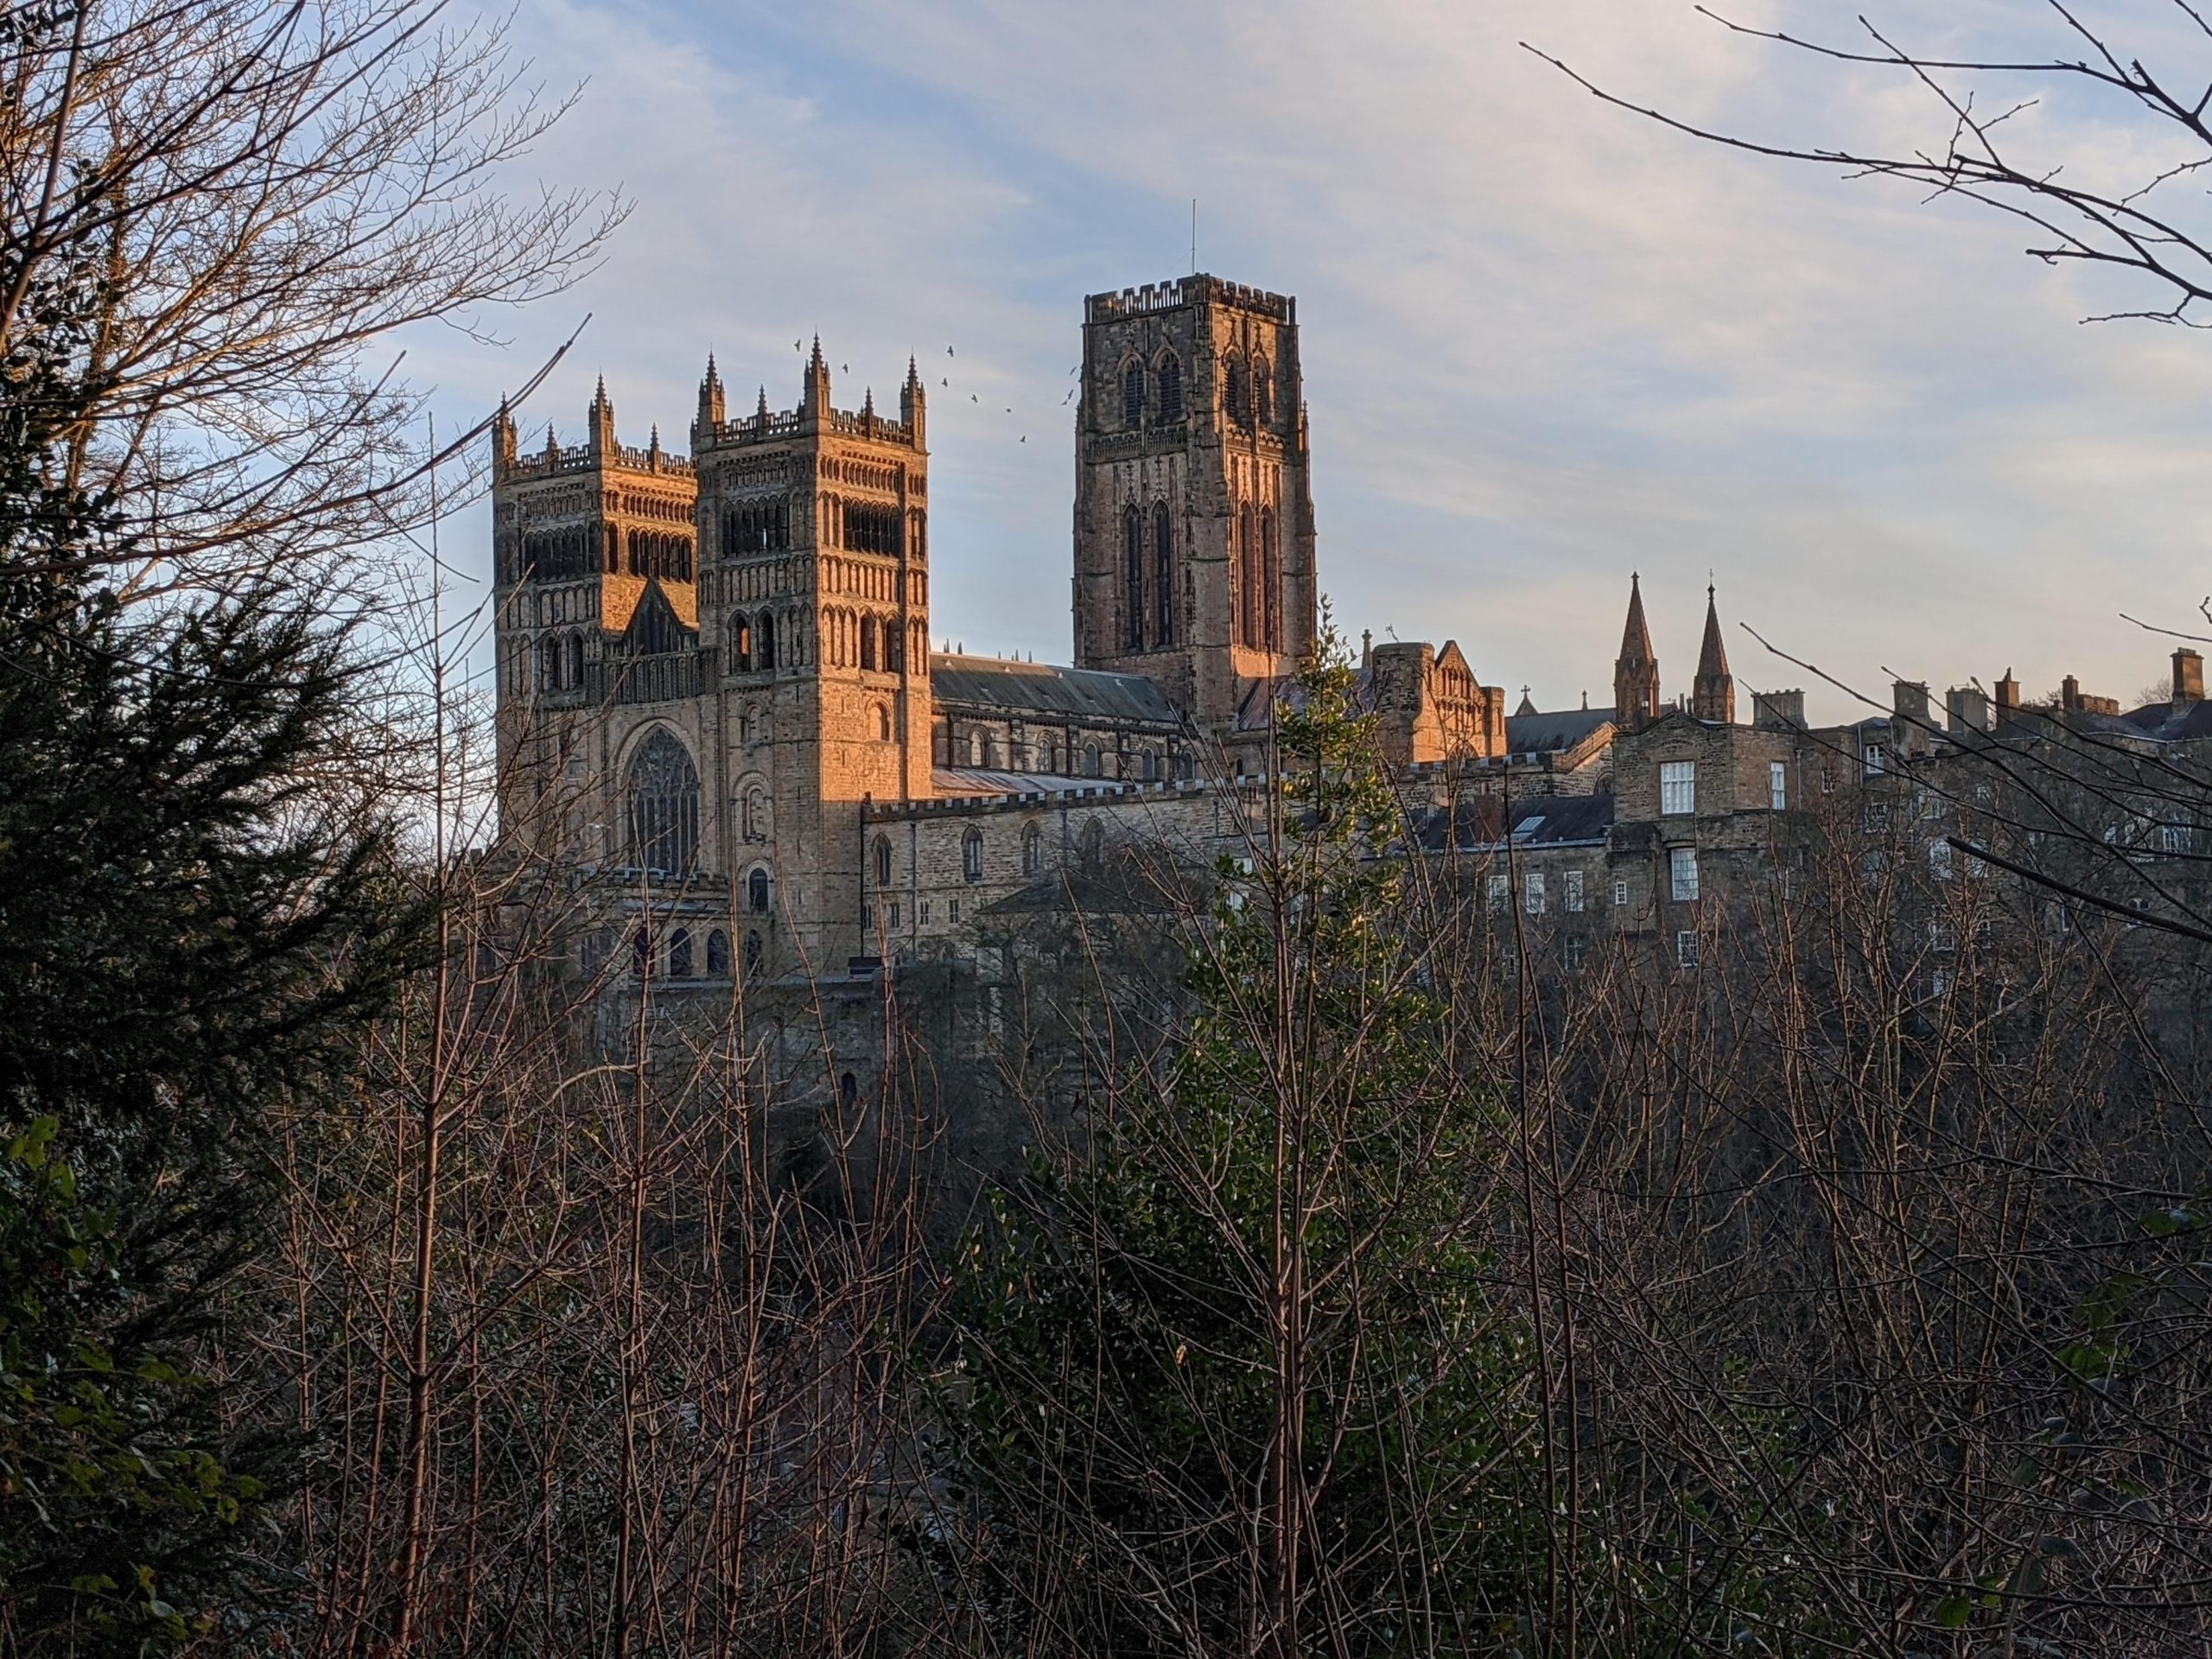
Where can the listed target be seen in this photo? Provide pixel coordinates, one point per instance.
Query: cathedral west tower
(1194, 557)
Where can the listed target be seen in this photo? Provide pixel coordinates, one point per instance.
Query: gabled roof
(1538, 733)
(1044, 689)
(620, 595)
(2170, 723)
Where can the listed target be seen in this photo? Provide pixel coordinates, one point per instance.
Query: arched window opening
(740, 645)
(1151, 766)
(664, 796)
(718, 955)
(756, 892)
(1163, 576)
(849, 1088)
(1270, 584)
(1133, 579)
(575, 659)
(1233, 390)
(754, 952)
(1263, 393)
(679, 954)
(1094, 847)
(1132, 395)
(883, 861)
(990, 755)
(764, 641)
(867, 643)
(971, 855)
(549, 664)
(641, 954)
(1248, 578)
(882, 723)
(752, 814)
(941, 743)
(1171, 388)
(1032, 850)
(1090, 759)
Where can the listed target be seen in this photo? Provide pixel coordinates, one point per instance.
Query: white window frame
(1685, 948)
(1677, 788)
(1875, 760)
(1499, 893)
(1532, 893)
(1572, 899)
(1681, 874)
(1777, 785)
(1620, 895)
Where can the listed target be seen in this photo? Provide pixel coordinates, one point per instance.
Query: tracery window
(1094, 847)
(679, 954)
(1234, 391)
(1171, 388)
(663, 801)
(1132, 395)
(717, 955)
(1264, 395)
(1032, 850)
(883, 861)
(971, 855)
(764, 641)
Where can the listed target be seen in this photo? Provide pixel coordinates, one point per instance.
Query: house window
(1875, 819)
(1685, 948)
(1574, 895)
(1677, 788)
(952, 910)
(1874, 760)
(1939, 859)
(1620, 895)
(1500, 889)
(1942, 936)
(894, 915)
(1532, 893)
(921, 912)
(1939, 983)
(971, 856)
(1777, 785)
(2173, 837)
(1570, 950)
(1682, 872)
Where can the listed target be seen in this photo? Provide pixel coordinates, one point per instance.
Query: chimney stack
(2189, 678)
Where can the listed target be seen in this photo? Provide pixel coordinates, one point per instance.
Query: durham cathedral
(721, 716)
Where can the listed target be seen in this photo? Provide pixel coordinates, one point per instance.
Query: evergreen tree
(1231, 1378)
(189, 933)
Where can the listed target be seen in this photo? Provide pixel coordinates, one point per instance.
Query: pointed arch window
(549, 664)
(679, 954)
(1032, 850)
(1163, 576)
(717, 955)
(1263, 391)
(1094, 847)
(1132, 395)
(663, 803)
(971, 855)
(1248, 577)
(575, 659)
(756, 892)
(754, 952)
(764, 641)
(1270, 563)
(867, 643)
(740, 644)
(883, 861)
(1133, 579)
(1234, 391)
(1171, 388)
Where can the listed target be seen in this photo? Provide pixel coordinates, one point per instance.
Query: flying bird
(797, 347)
(947, 350)
(973, 399)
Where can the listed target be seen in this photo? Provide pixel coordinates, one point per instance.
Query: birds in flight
(945, 381)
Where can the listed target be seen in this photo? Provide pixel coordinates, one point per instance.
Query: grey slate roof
(983, 780)
(1479, 824)
(1552, 733)
(2169, 724)
(1043, 691)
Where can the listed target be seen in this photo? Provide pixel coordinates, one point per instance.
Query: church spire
(815, 400)
(912, 403)
(599, 421)
(1713, 696)
(1636, 672)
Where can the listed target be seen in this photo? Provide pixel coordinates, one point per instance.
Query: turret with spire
(599, 422)
(710, 407)
(1635, 671)
(503, 441)
(912, 403)
(814, 400)
(1713, 697)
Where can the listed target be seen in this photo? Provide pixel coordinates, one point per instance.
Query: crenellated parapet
(1200, 290)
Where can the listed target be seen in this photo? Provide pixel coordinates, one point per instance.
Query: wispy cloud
(1546, 343)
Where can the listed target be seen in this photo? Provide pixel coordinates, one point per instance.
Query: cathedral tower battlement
(1194, 545)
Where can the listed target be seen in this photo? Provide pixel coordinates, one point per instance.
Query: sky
(1546, 343)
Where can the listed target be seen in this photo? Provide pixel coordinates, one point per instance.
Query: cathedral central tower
(1194, 511)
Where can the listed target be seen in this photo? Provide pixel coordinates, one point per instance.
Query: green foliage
(1282, 1223)
(189, 935)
